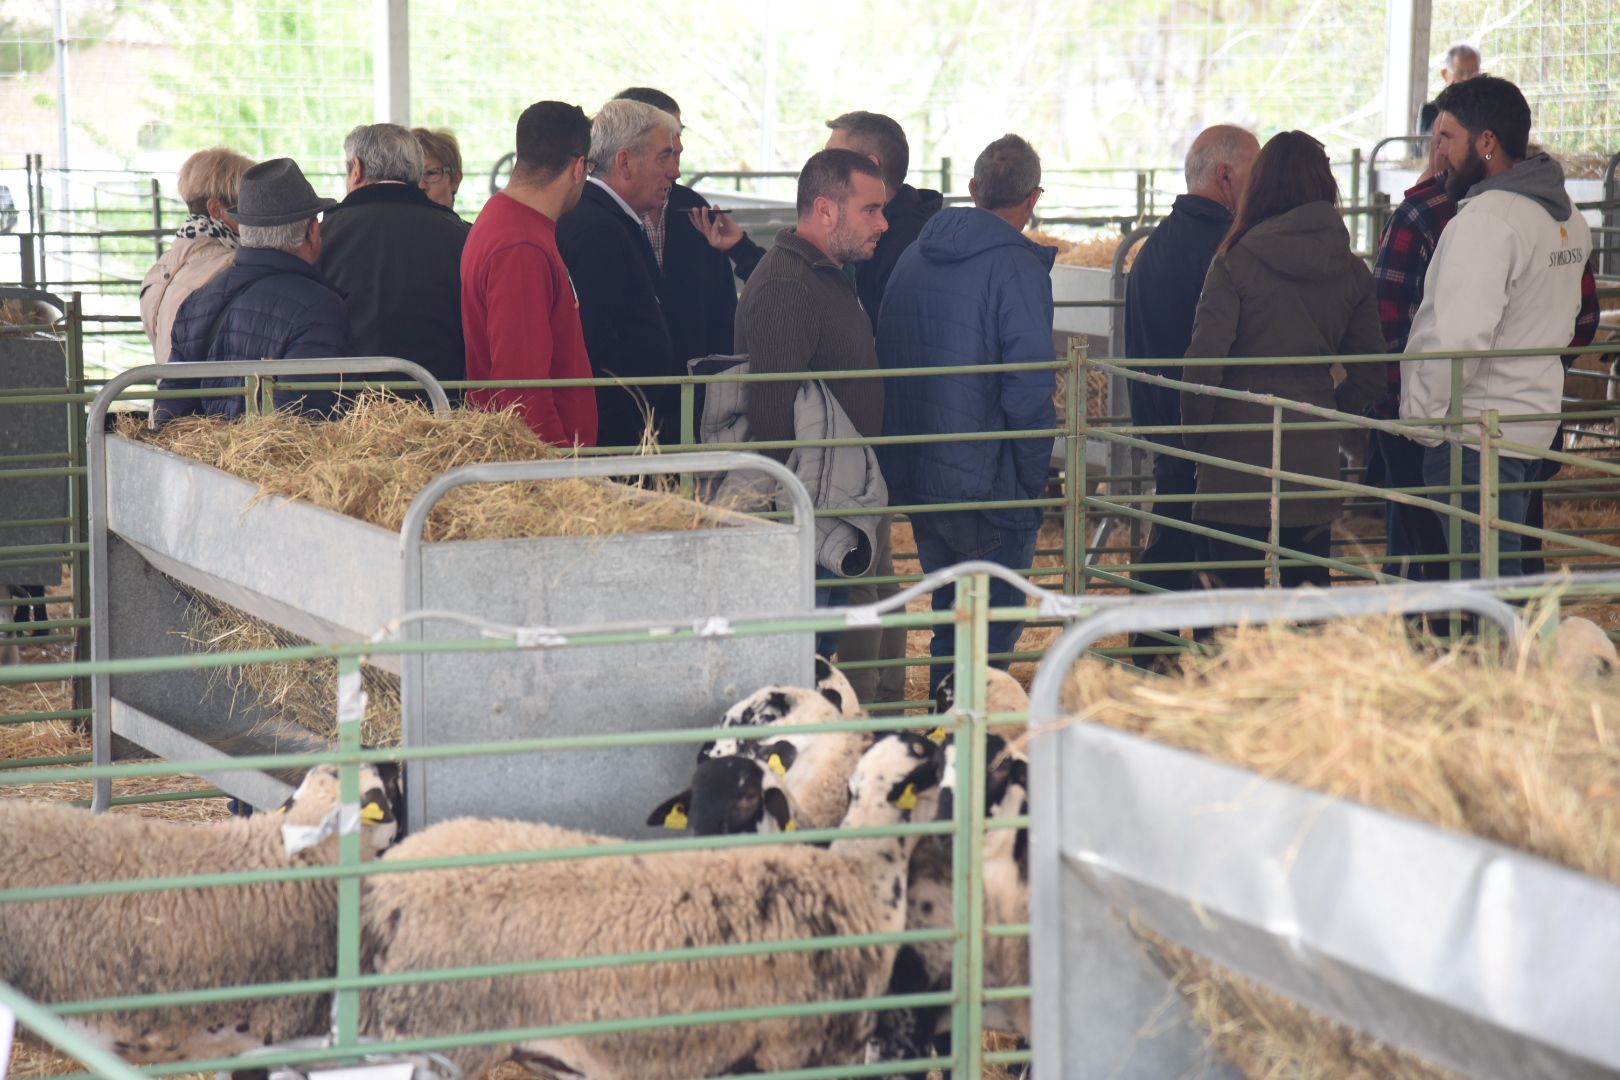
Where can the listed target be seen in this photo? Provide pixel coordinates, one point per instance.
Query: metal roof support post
(391, 61)
(1406, 64)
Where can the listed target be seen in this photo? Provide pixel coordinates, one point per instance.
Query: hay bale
(1512, 751)
(373, 461)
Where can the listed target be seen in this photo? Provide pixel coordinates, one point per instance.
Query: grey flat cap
(275, 192)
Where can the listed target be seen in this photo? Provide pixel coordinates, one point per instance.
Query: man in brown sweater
(799, 311)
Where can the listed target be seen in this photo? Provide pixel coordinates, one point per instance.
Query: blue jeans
(829, 596)
(1513, 506)
(947, 539)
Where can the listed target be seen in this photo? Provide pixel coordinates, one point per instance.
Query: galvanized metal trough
(330, 578)
(1483, 959)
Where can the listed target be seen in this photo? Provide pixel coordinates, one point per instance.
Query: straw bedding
(373, 461)
(1511, 751)
(1096, 252)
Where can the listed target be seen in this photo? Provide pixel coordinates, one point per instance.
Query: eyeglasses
(433, 176)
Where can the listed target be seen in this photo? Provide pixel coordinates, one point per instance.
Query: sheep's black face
(728, 795)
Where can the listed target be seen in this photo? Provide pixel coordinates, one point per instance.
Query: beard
(846, 244)
(1466, 175)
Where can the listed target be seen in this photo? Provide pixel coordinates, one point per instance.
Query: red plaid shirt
(1403, 260)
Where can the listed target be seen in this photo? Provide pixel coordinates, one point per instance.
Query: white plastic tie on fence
(1058, 606)
(300, 838)
(540, 637)
(866, 615)
(351, 705)
(348, 818)
(713, 627)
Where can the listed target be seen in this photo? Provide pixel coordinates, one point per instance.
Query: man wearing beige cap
(273, 304)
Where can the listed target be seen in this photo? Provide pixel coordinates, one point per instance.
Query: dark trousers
(1166, 544)
(1513, 506)
(1311, 539)
(950, 538)
(1394, 461)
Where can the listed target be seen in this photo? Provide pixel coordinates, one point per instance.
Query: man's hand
(719, 230)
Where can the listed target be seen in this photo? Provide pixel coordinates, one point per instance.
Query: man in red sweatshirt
(518, 308)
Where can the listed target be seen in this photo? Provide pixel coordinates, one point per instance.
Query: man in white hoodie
(1506, 274)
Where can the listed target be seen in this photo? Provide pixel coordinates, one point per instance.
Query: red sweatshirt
(521, 321)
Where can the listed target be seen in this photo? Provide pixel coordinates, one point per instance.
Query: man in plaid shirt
(1392, 460)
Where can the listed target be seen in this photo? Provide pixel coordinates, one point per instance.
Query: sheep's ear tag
(371, 813)
(792, 826)
(908, 798)
(775, 762)
(939, 735)
(676, 818)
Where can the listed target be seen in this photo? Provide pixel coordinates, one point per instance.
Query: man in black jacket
(908, 208)
(396, 254)
(615, 272)
(1161, 297)
(695, 250)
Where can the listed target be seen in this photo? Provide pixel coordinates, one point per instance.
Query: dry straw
(371, 463)
(1097, 253)
(1513, 751)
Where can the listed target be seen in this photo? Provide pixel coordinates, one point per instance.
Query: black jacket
(1161, 297)
(697, 287)
(906, 214)
(616, 276)
(270, 305)
(396, 254)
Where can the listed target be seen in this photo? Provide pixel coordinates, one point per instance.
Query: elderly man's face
(650, 174)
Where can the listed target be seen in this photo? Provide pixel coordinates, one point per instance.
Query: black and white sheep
(631, 903)
(186, 939)
(814, 767)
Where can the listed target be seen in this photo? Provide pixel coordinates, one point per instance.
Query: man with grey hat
(273, 304)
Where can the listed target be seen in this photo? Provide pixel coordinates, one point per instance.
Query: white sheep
(187, 939)
(814, 767)
(585, 907)
(833, 685)
(1584, 650)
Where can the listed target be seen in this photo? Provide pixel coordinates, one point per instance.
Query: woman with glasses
(441, 176)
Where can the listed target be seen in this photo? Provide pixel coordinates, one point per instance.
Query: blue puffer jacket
(280, 308)
(971, 290)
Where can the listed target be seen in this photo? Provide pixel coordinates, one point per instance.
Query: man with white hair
(1161, 297)
(273, 304)
(396, 254)
(633, 164)
(1462, 64)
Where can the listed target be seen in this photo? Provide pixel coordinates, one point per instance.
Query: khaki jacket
(188, 265)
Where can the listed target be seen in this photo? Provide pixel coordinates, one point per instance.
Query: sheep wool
(615, 904)
(140, 943)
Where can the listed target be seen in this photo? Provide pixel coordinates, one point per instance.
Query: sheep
(815, 768)
(734, 795)
(1584, 650)
(1003, 693)
(835, 687)
(926, 967)
(611, 904)
(137, 943)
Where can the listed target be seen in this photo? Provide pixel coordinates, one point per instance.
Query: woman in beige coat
(1284, 283)
(204, 246)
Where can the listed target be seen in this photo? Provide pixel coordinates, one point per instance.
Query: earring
(1487, 157)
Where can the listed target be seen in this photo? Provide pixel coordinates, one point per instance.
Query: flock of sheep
(775, 779)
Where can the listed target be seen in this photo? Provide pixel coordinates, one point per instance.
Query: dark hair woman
(1284, 283)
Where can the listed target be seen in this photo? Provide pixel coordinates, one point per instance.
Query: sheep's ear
(780, 756)
(776, 805)
(671, 813)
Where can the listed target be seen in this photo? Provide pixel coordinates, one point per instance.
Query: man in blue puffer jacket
(973, 290)
(272, 305)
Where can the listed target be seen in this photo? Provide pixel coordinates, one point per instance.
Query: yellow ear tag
(676, 818)
(938, 736)
(908, 798)
(371, 813)
(282, 809)
(792, 826)
(775, 762)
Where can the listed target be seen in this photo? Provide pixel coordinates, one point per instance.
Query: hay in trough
(373, 461)
(1097, 253)
(301, 691)
(1512, 751)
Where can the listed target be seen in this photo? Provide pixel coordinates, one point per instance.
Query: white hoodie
(1505, 275)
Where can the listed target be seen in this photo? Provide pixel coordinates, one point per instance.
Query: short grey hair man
(625, 125)
(1006, 173)
(1223, 144)
(381, 154)
(289, 237)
